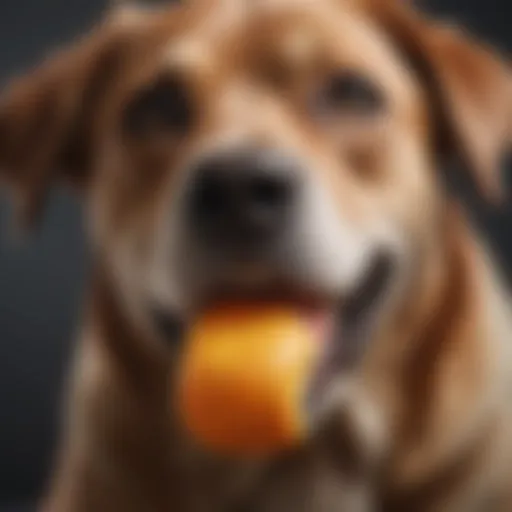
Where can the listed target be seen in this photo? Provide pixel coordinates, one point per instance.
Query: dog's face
(260, 148)
(271, 150)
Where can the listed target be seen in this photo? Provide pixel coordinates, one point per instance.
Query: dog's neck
(440, 412)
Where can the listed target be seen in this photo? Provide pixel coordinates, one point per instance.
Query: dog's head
(288, 148)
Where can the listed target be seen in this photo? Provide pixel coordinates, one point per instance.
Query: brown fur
(438, 377)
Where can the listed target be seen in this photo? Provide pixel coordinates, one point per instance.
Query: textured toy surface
(244, 377)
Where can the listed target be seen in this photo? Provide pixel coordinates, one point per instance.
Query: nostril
(269, 191)
(211, 200)
(266, 200)
(211, 196)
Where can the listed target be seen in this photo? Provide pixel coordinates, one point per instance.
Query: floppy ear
(48, 117)
(470, 89)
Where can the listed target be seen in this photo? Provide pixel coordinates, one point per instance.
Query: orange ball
(244, 378)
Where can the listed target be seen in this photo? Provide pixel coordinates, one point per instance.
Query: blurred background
(42, 279)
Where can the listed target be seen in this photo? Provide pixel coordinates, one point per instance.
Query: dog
(294, 149)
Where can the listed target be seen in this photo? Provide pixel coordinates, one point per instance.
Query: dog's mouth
(342, 327)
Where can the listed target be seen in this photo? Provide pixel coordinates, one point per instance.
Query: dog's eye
(351, 92)
(163, 106)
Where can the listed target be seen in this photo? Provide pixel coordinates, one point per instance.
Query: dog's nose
(242, 197)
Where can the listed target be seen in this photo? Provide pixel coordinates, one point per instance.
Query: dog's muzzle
(244, 209)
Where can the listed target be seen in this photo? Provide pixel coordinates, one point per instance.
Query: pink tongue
(321, 322)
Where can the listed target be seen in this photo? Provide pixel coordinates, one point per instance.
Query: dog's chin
(343, 325)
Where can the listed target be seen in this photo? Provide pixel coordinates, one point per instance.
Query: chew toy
(244, 376)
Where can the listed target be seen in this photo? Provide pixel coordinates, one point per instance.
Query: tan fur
(425, 424)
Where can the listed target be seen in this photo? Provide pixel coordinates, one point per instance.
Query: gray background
(42, 280)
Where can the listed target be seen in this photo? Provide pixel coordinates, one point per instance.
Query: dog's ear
(48, 118)
(470, 88)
